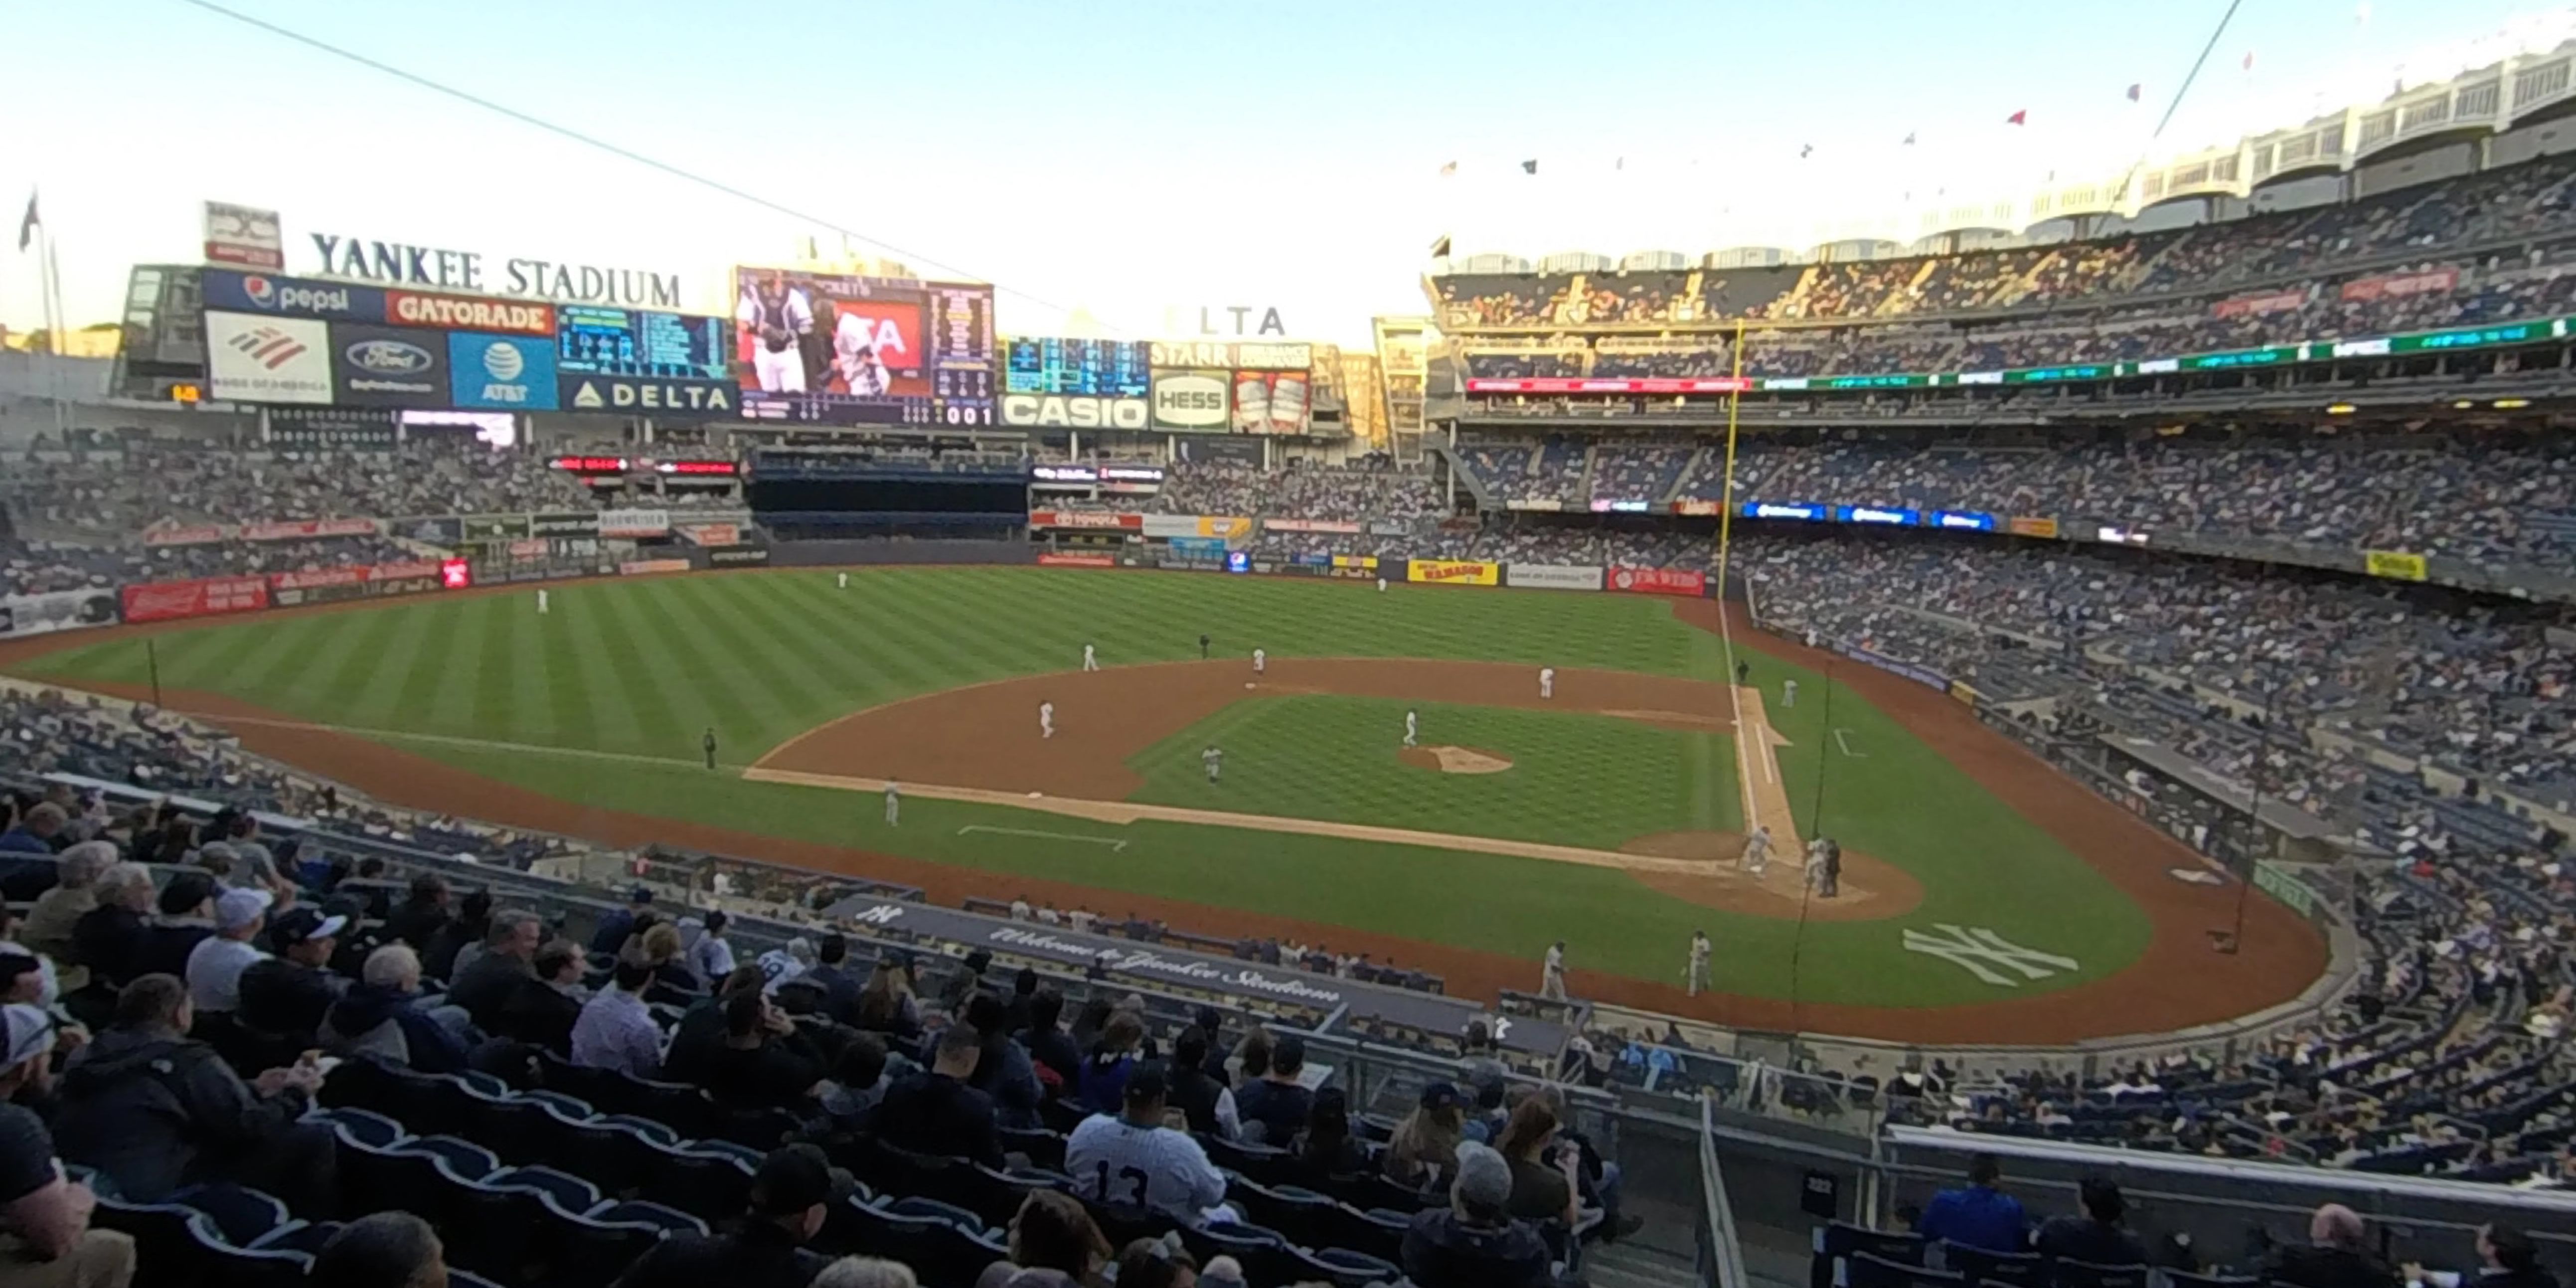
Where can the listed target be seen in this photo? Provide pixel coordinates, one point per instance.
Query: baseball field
(1984, 898)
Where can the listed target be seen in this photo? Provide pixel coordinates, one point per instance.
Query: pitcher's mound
(1454, 760)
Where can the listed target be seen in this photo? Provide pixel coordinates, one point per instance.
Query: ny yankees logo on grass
(1977, 950)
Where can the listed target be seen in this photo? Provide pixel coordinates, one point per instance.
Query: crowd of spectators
(2481, 496)
(1351, 493)
(205, 1020)
(102, 494)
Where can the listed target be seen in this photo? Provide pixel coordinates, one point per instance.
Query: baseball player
(1214, 760)
(543, 603)
(1547, 682)
(1698, 970)
(845, 581)
(894, 803)
(1551, 974)
(1203, 645)
(776, 317)
(1090, 658)
(1260, 661)
(1743, 671)
(1757, 850)
(708, 743)
(1412, 726)
(1381, 585)
(1816, 865)
(1046, 719)
(854, 356)
(1788, 694)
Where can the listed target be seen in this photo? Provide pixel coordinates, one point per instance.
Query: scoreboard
(1099, 368)
(834, 349)
(631, 342)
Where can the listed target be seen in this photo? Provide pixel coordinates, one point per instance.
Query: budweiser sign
(163, 600)
(2432, 281)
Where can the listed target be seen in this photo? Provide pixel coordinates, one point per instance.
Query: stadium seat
(1377, 1232)
(760, 1129)
(1869, 1270)
(1837, 1242)
(240, 1214)
(1262, 1163)
(2016, 1270)
(1043, 1148)
(1344, 1268)
(171, 1242)
(614, 1156)
(709, 1186)
(675, 1105)
(996, 1194)
(520, 1130)
(364, 1126)
(555, 1073)
(2085, 1274)
(900, 1236)
(1241, 1242)
(2186, 1279)
(234, 1267)
(1302, 1217)
(894, 1170)
(586, 1251)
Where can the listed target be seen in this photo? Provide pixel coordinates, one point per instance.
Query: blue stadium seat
(306, 1237)
(2015, 1270)
(1344, 1268)
(364, 1125)
(1241, 1242)
(234, 1267)
(998, 1193)
(900, 1236)
(1265, 1164)
(611, 1155)
(2085, 1274)
(240, 1214)
(1303, 1217)
(171, 1242)
(709, 1186)
(640, 1212)
(1043, 1148)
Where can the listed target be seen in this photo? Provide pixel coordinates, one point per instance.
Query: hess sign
(589, 464)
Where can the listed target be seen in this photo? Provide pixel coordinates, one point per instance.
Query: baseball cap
(301, 925)
(796, 1177)
(239, 908)
(1484, 1179)
(1441, 1095)
(1147, 1082)
(30, 1034)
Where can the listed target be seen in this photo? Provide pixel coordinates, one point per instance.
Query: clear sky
(1128, 157)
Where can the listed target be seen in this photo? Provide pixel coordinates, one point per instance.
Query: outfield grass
(1576, 779)
(640, 667)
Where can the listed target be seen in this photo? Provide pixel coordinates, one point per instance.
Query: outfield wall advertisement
(161, 601)
(1453, 572)
(1659, 581)
(1553, 576)
(58, 610)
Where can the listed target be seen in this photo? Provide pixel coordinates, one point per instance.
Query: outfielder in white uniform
(1788, 693)
(776, 314)
(1757, 850)
(1551, 974)
(542, 603)
(1547, 681)
(894, 803)
(1090, 658)
(845, 581)
(1046, 719)
(1698, 970)
(1381, 585)
(1260, 661)
(1410, 728)
(1214, 760)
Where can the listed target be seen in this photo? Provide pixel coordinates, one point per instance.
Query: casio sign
(388, 357)
(1189, 401)
(1073, 412)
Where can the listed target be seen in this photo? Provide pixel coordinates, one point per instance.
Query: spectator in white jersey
(1137, 1160)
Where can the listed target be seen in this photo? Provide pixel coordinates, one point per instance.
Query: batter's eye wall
(909, 496)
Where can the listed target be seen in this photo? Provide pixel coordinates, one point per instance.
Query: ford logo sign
(388, 356)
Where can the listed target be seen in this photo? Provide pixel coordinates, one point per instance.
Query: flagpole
(49, 284)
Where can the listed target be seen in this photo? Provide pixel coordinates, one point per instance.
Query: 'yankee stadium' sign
(403, 264)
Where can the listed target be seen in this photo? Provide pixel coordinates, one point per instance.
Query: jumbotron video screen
(830, 349)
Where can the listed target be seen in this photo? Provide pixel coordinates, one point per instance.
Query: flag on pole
(1806, 150)
(27, 226)
(2249, 60)
(2135, 88)
(1449, 168)
(1909, 138)
(2021, 117)
(1440, 248)
(1529, 167)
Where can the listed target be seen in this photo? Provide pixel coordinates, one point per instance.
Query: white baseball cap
(239, 908)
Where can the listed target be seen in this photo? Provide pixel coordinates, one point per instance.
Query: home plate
(1035, 795)
(1247, 684)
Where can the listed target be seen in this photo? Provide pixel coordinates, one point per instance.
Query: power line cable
(2180, 91)
(613, 149)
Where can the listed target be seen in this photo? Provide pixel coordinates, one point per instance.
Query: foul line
(451, 740)
(1111, 842)
(1125, 812)
(1842, 741)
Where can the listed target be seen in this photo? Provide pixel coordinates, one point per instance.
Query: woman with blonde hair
(887, 1005)
(865, 1272)
(1424, 1148)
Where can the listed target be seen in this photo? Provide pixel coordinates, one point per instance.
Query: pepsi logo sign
(260, 290)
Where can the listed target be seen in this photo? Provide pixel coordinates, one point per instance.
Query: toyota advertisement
(289, 340)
